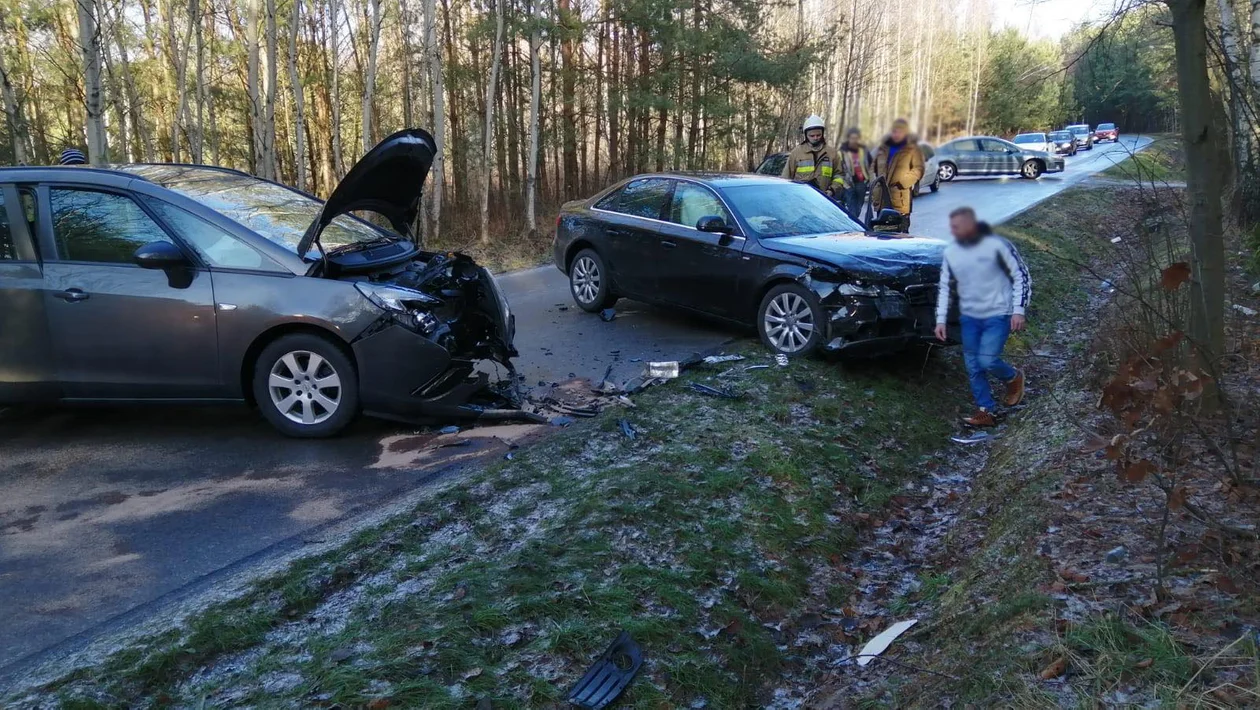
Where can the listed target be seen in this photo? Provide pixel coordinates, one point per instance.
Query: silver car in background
(989, 156)
(1033, 141)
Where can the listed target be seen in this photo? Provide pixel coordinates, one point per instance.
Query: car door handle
(73, 295)
(668, 244)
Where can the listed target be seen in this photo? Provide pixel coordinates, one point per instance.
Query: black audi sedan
(753, 250)
(197, 284)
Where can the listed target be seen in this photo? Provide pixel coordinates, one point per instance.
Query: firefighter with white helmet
(813, 161)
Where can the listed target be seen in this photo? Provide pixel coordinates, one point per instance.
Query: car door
(967, 156)
(26, 371)
(1000, 158)
(631, 218)
(701, 270)
(119, 331)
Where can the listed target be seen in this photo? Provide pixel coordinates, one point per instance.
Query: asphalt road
(108, 513)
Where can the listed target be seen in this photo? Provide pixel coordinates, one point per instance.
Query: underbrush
(1162, 161)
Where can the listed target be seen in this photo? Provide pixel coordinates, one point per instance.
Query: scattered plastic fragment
(1115, 240)
(449, 430)
(716, 359)
(509, 456)
(714, 391)
(978, 437)
(561, 421)
(1244, 310)
(750, 368)
(781, 360)
(662, 370)
(608, 314)
(1107, 286)
(609, 676)
(1117, 555)
(880, 643)
(627, 429)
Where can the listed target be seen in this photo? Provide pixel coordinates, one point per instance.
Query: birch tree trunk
(334, 23)
(487, 139)
(257, 139)
(369, 82)
(1254, 59)
(404, 36)
(142, 133)
(13, 112)
(1236, 86)
(535, 104)
(269, 108)
(90, 47)
(198, 138)
(439, 116)
(299, 105)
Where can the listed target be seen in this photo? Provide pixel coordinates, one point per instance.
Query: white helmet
(812, 122)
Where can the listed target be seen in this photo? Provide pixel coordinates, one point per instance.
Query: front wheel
(936, 184)
(946, 172)
(306, 386)
(790, 320)
(589, 282)
(1031, 170)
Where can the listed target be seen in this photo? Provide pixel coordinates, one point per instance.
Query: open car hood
(389, 180)
(896, 256)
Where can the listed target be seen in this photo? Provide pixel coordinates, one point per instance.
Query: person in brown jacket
(899, 161)
(814, 162)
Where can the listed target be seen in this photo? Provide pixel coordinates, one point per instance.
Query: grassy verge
(698, 535)
(1161, 161)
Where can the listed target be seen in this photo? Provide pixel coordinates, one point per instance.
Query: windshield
(1106, 126)
(1030, 138)
(1060, 136)
(1079, 129)
(275, 212)
(787, 210)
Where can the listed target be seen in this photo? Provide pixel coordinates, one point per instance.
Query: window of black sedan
(693, 202)
(644, 197)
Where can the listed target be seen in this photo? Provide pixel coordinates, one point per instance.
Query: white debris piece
(880, 643)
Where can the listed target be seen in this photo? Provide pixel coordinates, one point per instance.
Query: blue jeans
(982, 341)
(852, 199)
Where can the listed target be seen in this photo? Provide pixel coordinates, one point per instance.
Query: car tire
(324, 394)
(936, 184)
(914, 191)
(1031, 169)
(589, 282)
(782, 315)
(946, 171)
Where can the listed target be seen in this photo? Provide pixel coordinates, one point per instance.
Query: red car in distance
(1106, 132)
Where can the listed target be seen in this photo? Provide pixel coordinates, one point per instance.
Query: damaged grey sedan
(752, 250)
(182, 283)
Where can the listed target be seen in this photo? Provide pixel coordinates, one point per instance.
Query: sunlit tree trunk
(334, 58)
(439, 117)
(535, 104)
(487, 137)
(90, 48)
(299, 103)
(13, 115)
(369, 82)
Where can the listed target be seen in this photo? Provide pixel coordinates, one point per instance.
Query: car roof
(1032, 133)
(714, 179)
(38, 173)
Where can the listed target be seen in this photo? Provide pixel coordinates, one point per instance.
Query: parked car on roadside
(985, 155)
(1033, 141)
(752, 250)
(1083, 135)
(772, 165)
(1062, 143)
(1106, 132)
(183, 283)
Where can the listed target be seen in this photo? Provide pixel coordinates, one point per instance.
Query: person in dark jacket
(993, 288)
(855, 172)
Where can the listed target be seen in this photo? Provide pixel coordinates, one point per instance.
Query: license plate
(892, 308)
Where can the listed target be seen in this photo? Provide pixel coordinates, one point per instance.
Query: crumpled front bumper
(871, 325)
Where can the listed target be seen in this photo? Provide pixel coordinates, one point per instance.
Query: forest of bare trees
(534, 101)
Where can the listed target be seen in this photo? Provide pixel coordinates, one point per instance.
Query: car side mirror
(715, 224)
(159, 255)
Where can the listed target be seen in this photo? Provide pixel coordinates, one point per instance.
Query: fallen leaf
(1137, 471)
(1168, 342)
(1054, 670)
(1073, 575)
(1227, 585)
(1146, 663)
(378, 704)
(1175, 275)
(1177, 498)
(469, 675)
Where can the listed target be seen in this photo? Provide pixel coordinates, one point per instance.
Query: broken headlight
(855, 290)
(394, 298)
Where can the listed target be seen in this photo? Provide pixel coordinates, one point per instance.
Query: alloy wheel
(789, 322)
(304, 387)
(1031, 171)
(945, 172)
(585, 279)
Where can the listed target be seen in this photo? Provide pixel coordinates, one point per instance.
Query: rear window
(927, 151)
(1079, 129)
(966, 145)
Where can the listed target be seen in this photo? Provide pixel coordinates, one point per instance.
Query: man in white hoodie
(993, 292)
